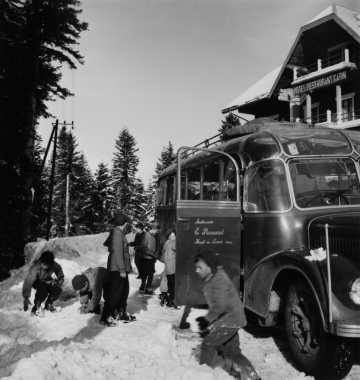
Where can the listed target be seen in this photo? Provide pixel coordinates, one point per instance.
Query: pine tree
(98, 205)
(125, 167)
(150, 196)
(139, 201)
(36, 38)
(230, 121)
(167, 158)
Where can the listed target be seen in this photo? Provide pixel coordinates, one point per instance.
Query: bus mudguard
(277, 271)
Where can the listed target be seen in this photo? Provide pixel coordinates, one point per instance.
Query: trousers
(224, 342)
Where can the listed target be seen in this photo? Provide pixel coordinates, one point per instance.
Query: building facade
(319, 82)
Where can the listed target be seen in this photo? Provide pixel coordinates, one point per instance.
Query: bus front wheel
(314, 351)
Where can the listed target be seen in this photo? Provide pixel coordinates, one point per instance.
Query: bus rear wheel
(314, 351)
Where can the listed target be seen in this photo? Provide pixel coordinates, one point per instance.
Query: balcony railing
(337, 119)
(323, 66)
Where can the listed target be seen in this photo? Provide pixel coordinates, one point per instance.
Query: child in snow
(226, 316)
(39, 278)
(169, 255)
(93, 284)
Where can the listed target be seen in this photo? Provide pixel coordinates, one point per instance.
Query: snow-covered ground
(67, 345)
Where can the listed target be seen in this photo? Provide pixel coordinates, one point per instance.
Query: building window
(347, 105)
(336, 54)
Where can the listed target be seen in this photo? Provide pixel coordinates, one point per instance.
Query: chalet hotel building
(319, 82)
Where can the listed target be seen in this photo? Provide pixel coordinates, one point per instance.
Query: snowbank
(67, 345)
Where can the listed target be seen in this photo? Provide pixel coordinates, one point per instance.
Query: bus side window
(194, 184)
(161, 192)
(266, 187)
(211, 181)
(170, 190)
(183, 185)
(228, 191)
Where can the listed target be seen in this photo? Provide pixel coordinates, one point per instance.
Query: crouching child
(93, 284)
(40, 278)
(221, 324)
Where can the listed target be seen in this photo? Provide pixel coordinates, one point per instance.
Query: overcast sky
(166, 68)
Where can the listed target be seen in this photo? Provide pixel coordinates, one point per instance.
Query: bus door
(208, 218)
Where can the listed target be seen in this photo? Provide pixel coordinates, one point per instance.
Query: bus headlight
(354, 293)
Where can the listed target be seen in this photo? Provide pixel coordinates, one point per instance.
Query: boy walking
(39, 278)
(224, 319)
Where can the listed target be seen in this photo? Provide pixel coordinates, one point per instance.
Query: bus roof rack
(263, 124)
(252, 126)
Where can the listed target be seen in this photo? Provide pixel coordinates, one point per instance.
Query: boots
(122, 315)
(37, 310)
(49, 305)
(163, 298)
(108, 321)
(149, 291)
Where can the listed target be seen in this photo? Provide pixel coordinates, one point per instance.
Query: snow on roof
(258, 91)
(324, 13)
(349, 17)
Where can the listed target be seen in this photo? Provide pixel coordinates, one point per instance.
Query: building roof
(265, 87)
(348, 19)
(259, 90)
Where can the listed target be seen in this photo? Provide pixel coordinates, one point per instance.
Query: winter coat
(225, 306)
(119, 257)
(169, 254)
(36, 272)
(97, 277)
(137, 241)
(148, 246)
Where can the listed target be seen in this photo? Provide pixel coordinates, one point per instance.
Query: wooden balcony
(323, 67)
(342, 120)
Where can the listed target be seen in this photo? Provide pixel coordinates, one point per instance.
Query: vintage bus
(281, 205)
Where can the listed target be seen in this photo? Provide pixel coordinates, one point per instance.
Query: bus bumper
(348, 329)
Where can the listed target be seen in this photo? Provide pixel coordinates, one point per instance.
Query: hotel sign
(319, 83)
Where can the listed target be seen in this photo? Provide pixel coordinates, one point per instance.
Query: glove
(202, 322)
(26, 303)
(59, 283)
(83, 310)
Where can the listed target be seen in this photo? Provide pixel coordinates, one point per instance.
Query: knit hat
(168, 232)
(154, 225)
(120, 219)
(211, 258)
(78, 282)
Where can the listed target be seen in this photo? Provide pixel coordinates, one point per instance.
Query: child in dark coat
(40, 278)
(224, 319)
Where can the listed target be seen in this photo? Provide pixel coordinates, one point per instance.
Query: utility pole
(55, 134)
(67, 197)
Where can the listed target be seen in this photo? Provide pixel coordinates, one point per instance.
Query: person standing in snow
(93, 284)
(148, 255)
(40, 278)
(169, 255)
(118, 266)
(139, 229)
(221, 324)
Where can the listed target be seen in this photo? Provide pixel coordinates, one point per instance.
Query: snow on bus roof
(259, 90)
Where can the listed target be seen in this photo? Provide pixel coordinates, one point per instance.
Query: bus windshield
(313, 142)
(321, 183)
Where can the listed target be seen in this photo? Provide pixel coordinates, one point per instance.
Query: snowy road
(67, 345)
